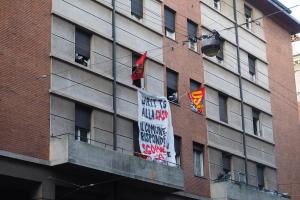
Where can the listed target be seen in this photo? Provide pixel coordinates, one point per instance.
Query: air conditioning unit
(193, 46)
(170, 35)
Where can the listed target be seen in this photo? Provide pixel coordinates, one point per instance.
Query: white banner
(156, 138)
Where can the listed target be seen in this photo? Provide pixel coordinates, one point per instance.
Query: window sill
(174, 103)
(202, 177)
(196, 52)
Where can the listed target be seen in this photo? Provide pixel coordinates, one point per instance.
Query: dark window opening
(251, 63)
(82, 123)
(137, 8)
(177, 144)
(192, 32)
(172, 86)
(260, 177)
(136, 145)
(194, 85)
(170, 23)
(82, 47)
(138, 82)
(256, 122)
(248, 16)
(226, 158)
(198, 151)
(223, 107)
(217, 4)
(220, 55)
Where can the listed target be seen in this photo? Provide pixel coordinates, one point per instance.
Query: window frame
(140, 83)
(198, 155)
(228, 157)
(252, 66)
(137, 13)
(82, 51)
(225, 98)
(256, 122)
(177, 141)
(83, 125)
(192, 37)
(217, 5)
(169, 31)
(260, 173)
(248, 18)
(174, 91)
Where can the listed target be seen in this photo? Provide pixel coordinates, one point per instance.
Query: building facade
(69, 106)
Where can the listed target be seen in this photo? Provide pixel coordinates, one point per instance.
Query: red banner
(197, 99)
(138, 68)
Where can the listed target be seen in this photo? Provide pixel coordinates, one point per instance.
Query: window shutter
(223, 107)
(82, 43)
(251, 61)
(137, 8)
(82, 117)
(192, 30)
(169, 19)
(172, 80)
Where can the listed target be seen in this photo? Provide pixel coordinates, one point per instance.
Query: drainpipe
(114, 74)
(241, 86)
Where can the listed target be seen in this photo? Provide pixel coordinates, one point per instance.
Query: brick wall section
(284, 108)
(187, 124)
(25, 30)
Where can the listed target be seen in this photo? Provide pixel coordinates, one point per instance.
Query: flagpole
(114, 75)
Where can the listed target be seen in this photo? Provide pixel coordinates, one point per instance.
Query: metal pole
(114, 75)
(241, 87)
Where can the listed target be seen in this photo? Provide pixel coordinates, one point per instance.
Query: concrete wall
(62, 123)
(238, 169)
(96, 17)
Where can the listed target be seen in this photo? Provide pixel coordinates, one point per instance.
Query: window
(217, 5)
(220, 55)
(198, 159)
(136, 145)
(256, 122)
(138, 83)
(194, 85)
(177, 149)
(248, 16)
(226, 158)
(172, 86)
(137, 8)
(251, 63)
(192, 32)
(82, 123)
(223, 108)
(260, 176)
(82, 47)
(170, 23)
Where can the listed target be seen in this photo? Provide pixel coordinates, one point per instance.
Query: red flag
(138, 68)
(197, 99)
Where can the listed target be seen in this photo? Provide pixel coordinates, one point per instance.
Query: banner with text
(156, 138)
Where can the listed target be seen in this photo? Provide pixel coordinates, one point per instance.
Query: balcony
(66, 151)
(229, 189)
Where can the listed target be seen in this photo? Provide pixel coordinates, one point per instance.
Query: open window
(82, 123)
(170, 23)
(82, 47)
(172, 86)
(192, 32)
(137, 8)
(198, 151)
